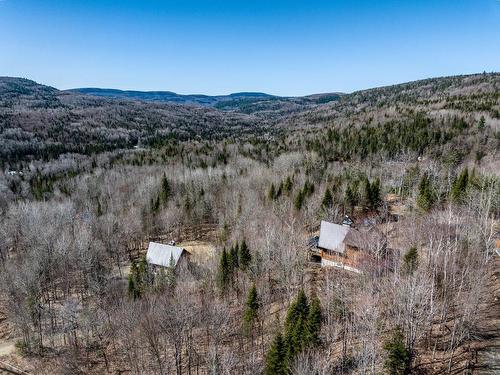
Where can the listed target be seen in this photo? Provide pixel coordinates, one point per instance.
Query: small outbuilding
(160, 255)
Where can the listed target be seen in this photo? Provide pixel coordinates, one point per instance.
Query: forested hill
(86, 182)
(41, 122)
(451, 119)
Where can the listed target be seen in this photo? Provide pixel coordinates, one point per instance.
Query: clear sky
(284, 47)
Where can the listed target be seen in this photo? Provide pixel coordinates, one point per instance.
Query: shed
(164, 255)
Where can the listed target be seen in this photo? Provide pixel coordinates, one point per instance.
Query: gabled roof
(334, 237)
(161, 255)
(364, 239)
(331, 236)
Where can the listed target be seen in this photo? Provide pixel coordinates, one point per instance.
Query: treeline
(420, 135)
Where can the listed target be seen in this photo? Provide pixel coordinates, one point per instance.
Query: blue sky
(216, 47)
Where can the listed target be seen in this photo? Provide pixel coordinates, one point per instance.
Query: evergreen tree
(251, 310)
(134, 287)
(170, 274)
(425, 198)
(375, 194)
(224, 271)
(313, 326)
(133, 290)
(142, 267)
(245, 258)
(327, 199)
(299, 200)
(308, 189)
(371, 194)
(287, 187)
(165, 190)
(275, 358)
(351, 198)
(99, 208)
(459, 187)
(233, 256)
(224, 232)
(161, 280)
(155, 205)
(410, 261)
(295, 325)
(272, 193)
(279, 191)
(482, 123)
(142, 276)
(367, 192)
(398, 359)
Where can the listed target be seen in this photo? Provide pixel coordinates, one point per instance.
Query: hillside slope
(37, 121)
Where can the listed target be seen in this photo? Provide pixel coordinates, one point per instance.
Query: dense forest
(243, 185)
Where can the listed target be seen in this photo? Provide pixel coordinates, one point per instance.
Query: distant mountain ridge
(172, 97)
(244, 102)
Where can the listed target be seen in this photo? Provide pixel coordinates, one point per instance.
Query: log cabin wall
(350, 257)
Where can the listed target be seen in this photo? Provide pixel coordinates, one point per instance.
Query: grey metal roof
(161, 255)
(331, 236)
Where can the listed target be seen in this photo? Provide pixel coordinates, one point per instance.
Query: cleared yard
(201, 251)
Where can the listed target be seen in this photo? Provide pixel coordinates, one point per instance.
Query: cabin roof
(161, 255)
(331, 236)
(364, 239)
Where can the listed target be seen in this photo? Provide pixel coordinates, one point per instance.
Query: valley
(402, 278)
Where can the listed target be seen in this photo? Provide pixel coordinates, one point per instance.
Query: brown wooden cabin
(345, 247)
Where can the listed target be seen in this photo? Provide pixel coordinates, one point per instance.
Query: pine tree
(410, 261)
(327, 199)
(251, 310)
(367, 192)
(224, 271)
(482, 123)
(351, 198)
(142, 267)
(99, 208)
(134, 287)
(170, 274)
(375, 194)
(279, 191)
(155, 205)
(371, 194)
(233, 257)
(308, 189)
(272, 193)
(287, 187)
(298, 308)
(425, 198)
(398, 358)
(275, 358)
(313, 326)
(459, 187)
(133, 291)
(224, 232)
(245, 258)
(295, 325)
(299, 200)
(165, 190)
